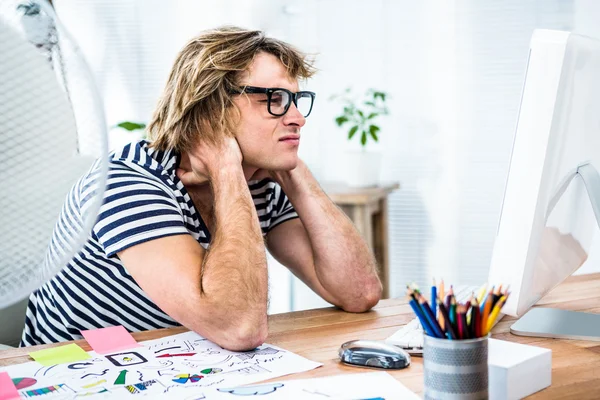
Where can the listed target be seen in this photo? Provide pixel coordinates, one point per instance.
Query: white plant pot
(363, 168)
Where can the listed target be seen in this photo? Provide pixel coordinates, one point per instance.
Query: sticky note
(8, 391)
(111, 339)
(59, 355)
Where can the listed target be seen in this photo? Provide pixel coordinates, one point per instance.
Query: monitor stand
(557, 323)
(553, 322)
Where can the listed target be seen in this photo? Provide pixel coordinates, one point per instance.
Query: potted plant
(360, 117)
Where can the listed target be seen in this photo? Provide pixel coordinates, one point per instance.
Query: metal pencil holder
(455, 369)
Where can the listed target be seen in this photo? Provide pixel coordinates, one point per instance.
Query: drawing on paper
(250, 370)
(162, 365)
(54, 389)
(193, 378)
(140, 387)
(91, 385)
(185, 378)
(95, 374)
(80, 365)
(22, 383)
(168, 348)
(44, 370)
(262, 352)
(126, 359)
(176, 355)
(253, 390)
(121, 378)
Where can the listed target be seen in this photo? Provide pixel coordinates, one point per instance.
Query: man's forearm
(344, 264)
(234, 271)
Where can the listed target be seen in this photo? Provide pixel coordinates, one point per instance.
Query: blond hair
(197, 102)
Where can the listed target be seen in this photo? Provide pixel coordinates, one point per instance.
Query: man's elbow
(368, 299)
(245, 336)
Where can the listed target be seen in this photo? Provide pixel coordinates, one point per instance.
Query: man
(181, 236)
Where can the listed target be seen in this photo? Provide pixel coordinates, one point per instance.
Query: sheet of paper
(185, 363)
(109, 340)
(8, 391)
(196, 361)
(369, 385)
(59, 355)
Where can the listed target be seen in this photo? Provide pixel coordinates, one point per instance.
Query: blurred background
(452, 72)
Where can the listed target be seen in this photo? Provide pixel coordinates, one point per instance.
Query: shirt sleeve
(283, 210)
(136, 209)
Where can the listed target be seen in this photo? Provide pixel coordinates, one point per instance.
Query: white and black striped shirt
(144, 200)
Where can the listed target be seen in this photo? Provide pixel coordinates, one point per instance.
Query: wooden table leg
(380, 245)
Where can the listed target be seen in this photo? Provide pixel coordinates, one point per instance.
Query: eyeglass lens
(280, 100)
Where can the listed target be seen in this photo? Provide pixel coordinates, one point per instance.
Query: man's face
(266, 141)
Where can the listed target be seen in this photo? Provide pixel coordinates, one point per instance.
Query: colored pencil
(451, 332)
(430, 318)
(419, 313)
(433, 297)
(474, 318)
(481, 293)
(452, 310)
(494, 314)
(482, 303)
(487, 308)
(496, 296)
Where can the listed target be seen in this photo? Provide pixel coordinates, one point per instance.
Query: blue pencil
(437, 330)
(419, 313)
(433, 299)
(482, 305)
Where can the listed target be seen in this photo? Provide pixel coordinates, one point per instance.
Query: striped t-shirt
(144, 200)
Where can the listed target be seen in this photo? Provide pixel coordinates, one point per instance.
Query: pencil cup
(455, 369)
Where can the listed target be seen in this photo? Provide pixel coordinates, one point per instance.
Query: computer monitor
(551, 207)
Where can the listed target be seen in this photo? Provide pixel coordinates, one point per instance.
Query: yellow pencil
(494, 314)
(481, 293)
(470, 301)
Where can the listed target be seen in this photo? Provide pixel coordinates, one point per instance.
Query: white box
(517, 370)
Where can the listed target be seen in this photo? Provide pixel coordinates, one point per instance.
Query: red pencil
(459, 321)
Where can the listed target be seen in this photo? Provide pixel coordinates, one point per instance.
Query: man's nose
(293, 116)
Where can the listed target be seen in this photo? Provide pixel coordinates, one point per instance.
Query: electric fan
(52, 130)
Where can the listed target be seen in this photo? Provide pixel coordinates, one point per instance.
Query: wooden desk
(317, 335)
(368, 209)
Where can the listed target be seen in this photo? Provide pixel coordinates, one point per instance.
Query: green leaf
(341, 120)
(131, 126)
(373, 129)
(381, 95)
(370, 103)
(363, 138)
(352, 131)
(372, 115)
(360, 113)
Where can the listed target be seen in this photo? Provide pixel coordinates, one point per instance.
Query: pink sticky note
(8, 391)
(111, 339)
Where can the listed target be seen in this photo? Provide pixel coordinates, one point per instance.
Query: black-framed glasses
(279, 99)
